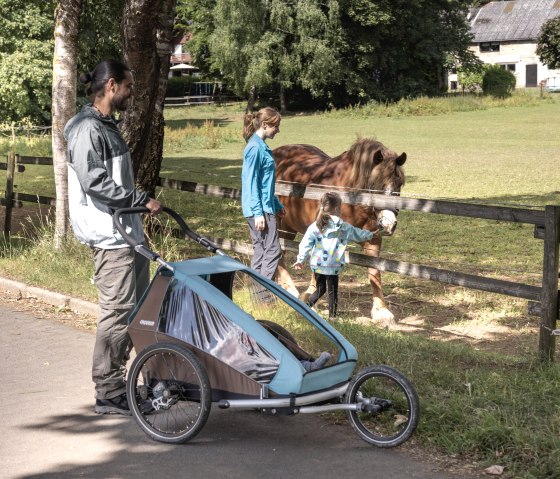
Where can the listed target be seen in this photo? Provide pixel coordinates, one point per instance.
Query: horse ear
(401, 159)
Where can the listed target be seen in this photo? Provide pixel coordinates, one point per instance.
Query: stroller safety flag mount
(212, 331)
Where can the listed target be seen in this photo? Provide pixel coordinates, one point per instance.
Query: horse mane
(371, 165)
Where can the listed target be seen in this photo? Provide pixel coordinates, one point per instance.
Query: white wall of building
(513, 53)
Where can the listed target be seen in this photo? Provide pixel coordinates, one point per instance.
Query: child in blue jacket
(325, 241)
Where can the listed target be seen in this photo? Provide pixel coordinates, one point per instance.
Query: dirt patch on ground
(445, 313)
(40, 309)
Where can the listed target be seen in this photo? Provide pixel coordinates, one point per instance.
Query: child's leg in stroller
(321, 281)
(332, 293)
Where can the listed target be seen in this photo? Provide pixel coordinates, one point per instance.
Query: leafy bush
(498, 82)
(470, 80)
(177, 86)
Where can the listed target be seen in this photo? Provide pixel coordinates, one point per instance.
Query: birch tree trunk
(147, 42)
(66, 31)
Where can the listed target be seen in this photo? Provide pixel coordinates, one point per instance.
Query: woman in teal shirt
(259, 204)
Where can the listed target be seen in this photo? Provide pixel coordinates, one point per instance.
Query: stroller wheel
(169, 393)
(389, 409)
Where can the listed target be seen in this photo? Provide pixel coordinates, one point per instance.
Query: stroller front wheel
(169, 393)
(389, 406)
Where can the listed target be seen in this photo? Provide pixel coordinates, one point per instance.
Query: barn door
(531, 75)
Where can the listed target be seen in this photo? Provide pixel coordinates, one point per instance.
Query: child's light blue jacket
(327, 247)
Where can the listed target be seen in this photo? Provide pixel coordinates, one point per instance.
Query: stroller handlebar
(140, 248)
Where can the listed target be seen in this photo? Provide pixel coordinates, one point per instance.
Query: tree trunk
(282, 99)
(67, 22)
(251, 100)
(147, 42)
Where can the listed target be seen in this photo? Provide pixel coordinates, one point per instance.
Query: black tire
(391, 409)
(169, 393)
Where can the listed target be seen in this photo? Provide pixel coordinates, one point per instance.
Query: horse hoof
(304, 296)
(383, 317)
(294, 292)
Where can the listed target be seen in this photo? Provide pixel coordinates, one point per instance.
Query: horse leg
(379, 311)
(283, 277)
(311, 288)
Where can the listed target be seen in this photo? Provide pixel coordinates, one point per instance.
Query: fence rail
(543, 301)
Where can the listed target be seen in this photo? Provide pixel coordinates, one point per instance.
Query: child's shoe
(319, 363)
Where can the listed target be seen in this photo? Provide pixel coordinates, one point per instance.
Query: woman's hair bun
(85, 77)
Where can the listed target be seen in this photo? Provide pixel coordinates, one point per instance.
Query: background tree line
(299, 52)
(295, 53)
(328, 52)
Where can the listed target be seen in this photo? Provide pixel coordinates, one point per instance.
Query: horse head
(379, 169)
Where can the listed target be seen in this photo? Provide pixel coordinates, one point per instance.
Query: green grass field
(471, 355)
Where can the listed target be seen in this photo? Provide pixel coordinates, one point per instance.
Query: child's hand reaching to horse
(297, 265)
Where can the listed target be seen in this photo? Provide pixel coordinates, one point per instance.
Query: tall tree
(401, 48)
(26, 45)
(100, 32)
(66, 32)
(82, 38)
(548, 43)
(26, 52)
(277, 44)
(239, 25)
(149, 48)
(147, 41)
(197, 19)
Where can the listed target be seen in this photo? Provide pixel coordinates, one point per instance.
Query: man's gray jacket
(100, 180)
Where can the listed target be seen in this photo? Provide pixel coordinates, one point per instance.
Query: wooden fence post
(9, 193)
(549, 295)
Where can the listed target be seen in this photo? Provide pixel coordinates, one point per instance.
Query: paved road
(50, 430)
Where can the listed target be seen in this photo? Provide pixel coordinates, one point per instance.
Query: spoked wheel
(389, 405)
(169, 393)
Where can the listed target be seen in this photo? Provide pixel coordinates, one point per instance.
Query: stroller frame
(175, 377)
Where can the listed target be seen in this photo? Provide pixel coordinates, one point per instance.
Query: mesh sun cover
(193, 320)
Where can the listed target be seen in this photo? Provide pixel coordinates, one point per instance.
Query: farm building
(181, 60)
(505, 33)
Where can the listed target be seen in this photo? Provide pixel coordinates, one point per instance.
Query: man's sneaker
(116, 405)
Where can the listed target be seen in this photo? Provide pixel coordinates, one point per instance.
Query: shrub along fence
(543, 300)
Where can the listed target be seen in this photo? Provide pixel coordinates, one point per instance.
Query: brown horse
(367, 165)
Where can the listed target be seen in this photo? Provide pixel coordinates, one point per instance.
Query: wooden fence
(543, 300)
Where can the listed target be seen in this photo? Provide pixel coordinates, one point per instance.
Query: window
(453, 85)
(489, 47)
(510, 67)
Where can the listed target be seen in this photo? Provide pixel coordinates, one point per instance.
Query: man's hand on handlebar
(154, 206)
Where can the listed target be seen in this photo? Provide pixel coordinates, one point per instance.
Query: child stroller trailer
(198, 341)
